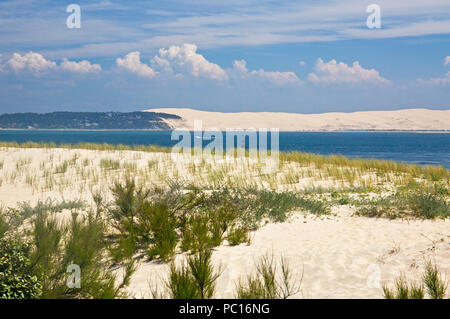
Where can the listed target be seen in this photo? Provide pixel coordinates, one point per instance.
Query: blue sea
(418, 148)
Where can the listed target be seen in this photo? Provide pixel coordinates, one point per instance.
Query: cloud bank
(278, 78)
(80, 67)
(33, 62)
(36, 64)
(339, 72)
(184, 60)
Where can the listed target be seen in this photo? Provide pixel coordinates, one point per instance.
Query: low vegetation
(413, 204)
(268, 282)
(17, 278)
(47, 250)
(157, 220)
(195, 279)
(432, 284)
(152, 207)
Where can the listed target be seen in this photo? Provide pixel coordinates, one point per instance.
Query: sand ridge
(401, 120)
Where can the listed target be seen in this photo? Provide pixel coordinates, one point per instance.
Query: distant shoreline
(408, 120)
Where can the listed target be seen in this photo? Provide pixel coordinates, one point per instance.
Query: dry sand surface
(337, 254)
(403, 120)
(340, 256)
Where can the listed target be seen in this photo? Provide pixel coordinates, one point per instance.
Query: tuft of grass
(432, 282)
(62, 168)
(195, 279)
(404, 290)
(265, 284)
(238, 235)
(109, 164)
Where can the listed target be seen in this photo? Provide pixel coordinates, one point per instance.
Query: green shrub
(4, 224)
(81, 242)
(419, 205)
(276, 205)
(265, 284)
(195, 233)
(123, 249)
(17, 280)
(195, 279)
(123, 217)
(222, 217)
(433, 281)
(160, 222)
(238, 235)
(343, 201)
(404, 290)
(436, 286)
(181, 284)
(203, 273)
(429, 206)
(251, 205)
(143, 223)
(123, 213)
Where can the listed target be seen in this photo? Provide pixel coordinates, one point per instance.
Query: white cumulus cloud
(276, 77)
(80, 67)
(447, 60)
(132, 63)
(339, 72)
(33, 62)
(186, 59)
(437, 81)
(161, 64)
(36, 64)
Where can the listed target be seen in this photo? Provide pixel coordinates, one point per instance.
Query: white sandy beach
(402, 120)
(339, 255)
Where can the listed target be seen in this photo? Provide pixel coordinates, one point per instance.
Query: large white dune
(402, 120)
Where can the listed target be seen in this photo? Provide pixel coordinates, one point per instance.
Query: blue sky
(247, 55)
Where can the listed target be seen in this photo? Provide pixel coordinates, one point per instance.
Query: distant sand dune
(402, 120)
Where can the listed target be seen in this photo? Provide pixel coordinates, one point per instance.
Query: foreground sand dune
(402, 120)
(339, 255)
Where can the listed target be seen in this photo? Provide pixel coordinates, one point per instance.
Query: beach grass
(268, 282)
(432, 284)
